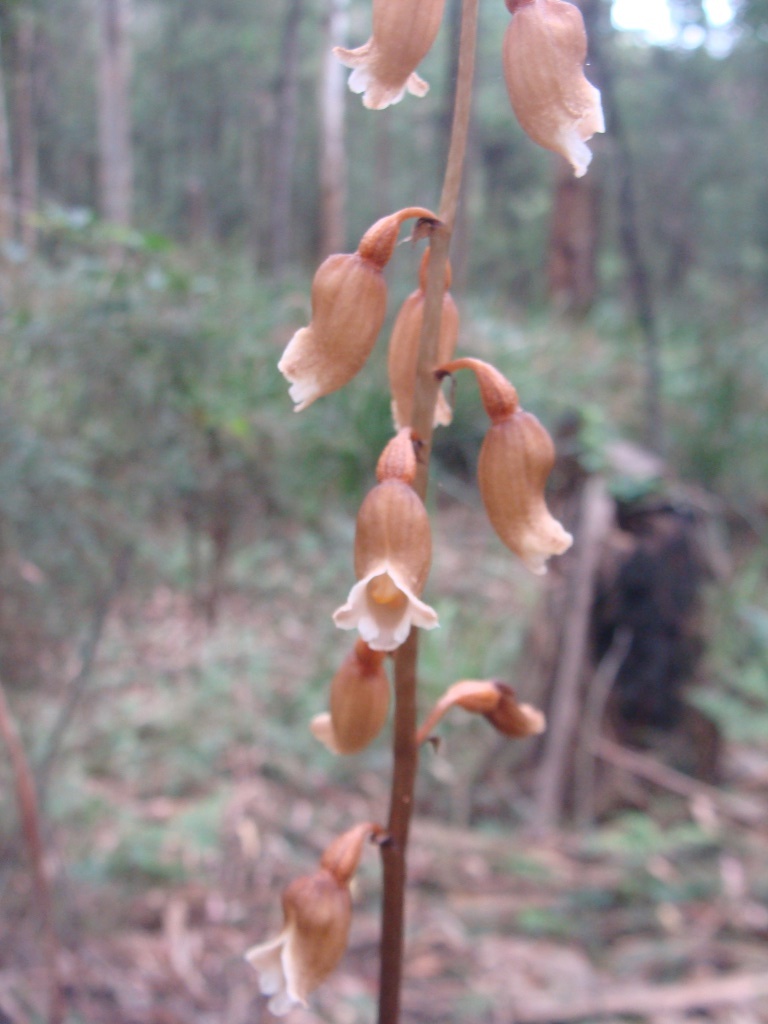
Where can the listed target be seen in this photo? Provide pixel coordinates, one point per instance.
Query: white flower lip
(365, 79)
(273, 962)
(305, 384)
(384, 627)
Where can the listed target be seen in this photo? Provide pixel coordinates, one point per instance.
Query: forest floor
(189, 795)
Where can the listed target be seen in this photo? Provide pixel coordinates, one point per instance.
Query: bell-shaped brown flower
(404, 348)
(393, 553)
(544, 50)
(359, 702)
(515, 461)
(385, 67)
(317, 910)
(349, 303)
(497, 703)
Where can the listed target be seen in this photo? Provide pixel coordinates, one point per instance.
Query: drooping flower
(359, 702)
(384, 68)
(516, 458)
(497, 703)
(349, 303)
(317, 912)
(544, 50)
(393, 553)
(404, 348)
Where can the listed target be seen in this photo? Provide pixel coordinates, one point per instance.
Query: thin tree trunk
(116, 171)
(26, 132)
(564, 719)
(333, 156)
(284, 140)
(7, 206)
(638, 272)
(573, 238)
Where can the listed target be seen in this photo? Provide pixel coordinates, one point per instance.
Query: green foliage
(737, 696)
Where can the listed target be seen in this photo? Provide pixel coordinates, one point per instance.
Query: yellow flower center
(383, 591)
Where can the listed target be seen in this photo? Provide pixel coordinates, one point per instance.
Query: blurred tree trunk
(6, 173)
(254, 171)
(333, 156)
(639, 280)
(285, 129)
(382, 148)
(116, 170)
(26, 132)
(573, 241)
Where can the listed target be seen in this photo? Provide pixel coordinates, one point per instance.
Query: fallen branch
(598, 693)
(647, 1000)
(742, 809)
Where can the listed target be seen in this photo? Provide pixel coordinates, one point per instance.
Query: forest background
(172, 538)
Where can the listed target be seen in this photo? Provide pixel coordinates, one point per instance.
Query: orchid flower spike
(359, 702)
(349, 303)
(393, 553)
(544, 50)
(384, 68)
(317, 912)
(495, 701)
(404, 348)
(516, 457)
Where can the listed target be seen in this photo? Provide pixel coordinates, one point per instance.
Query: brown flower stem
(29, 815)
(425, 393)
(405, 748)
(393, 852)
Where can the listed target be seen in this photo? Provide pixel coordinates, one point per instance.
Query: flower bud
(359, 702)
(393, 552)
(495, 701)
(516, 458)
(349, 303)
(544, 50)
(385, 67)
(317, 910)
(404, 348)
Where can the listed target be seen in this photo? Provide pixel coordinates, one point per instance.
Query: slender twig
(405, 749)
(598, 692)
(553, 776)
(29, 816)
(77, 687)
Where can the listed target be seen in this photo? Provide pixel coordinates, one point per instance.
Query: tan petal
(359, 701)
(404, 350)
(513, 718)
(349, 303)
(393, 529)
(342, 856)
(515, 461)
(516, 458)
(544, 50)
(318, 913)
(385, 66)
(493, 700)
